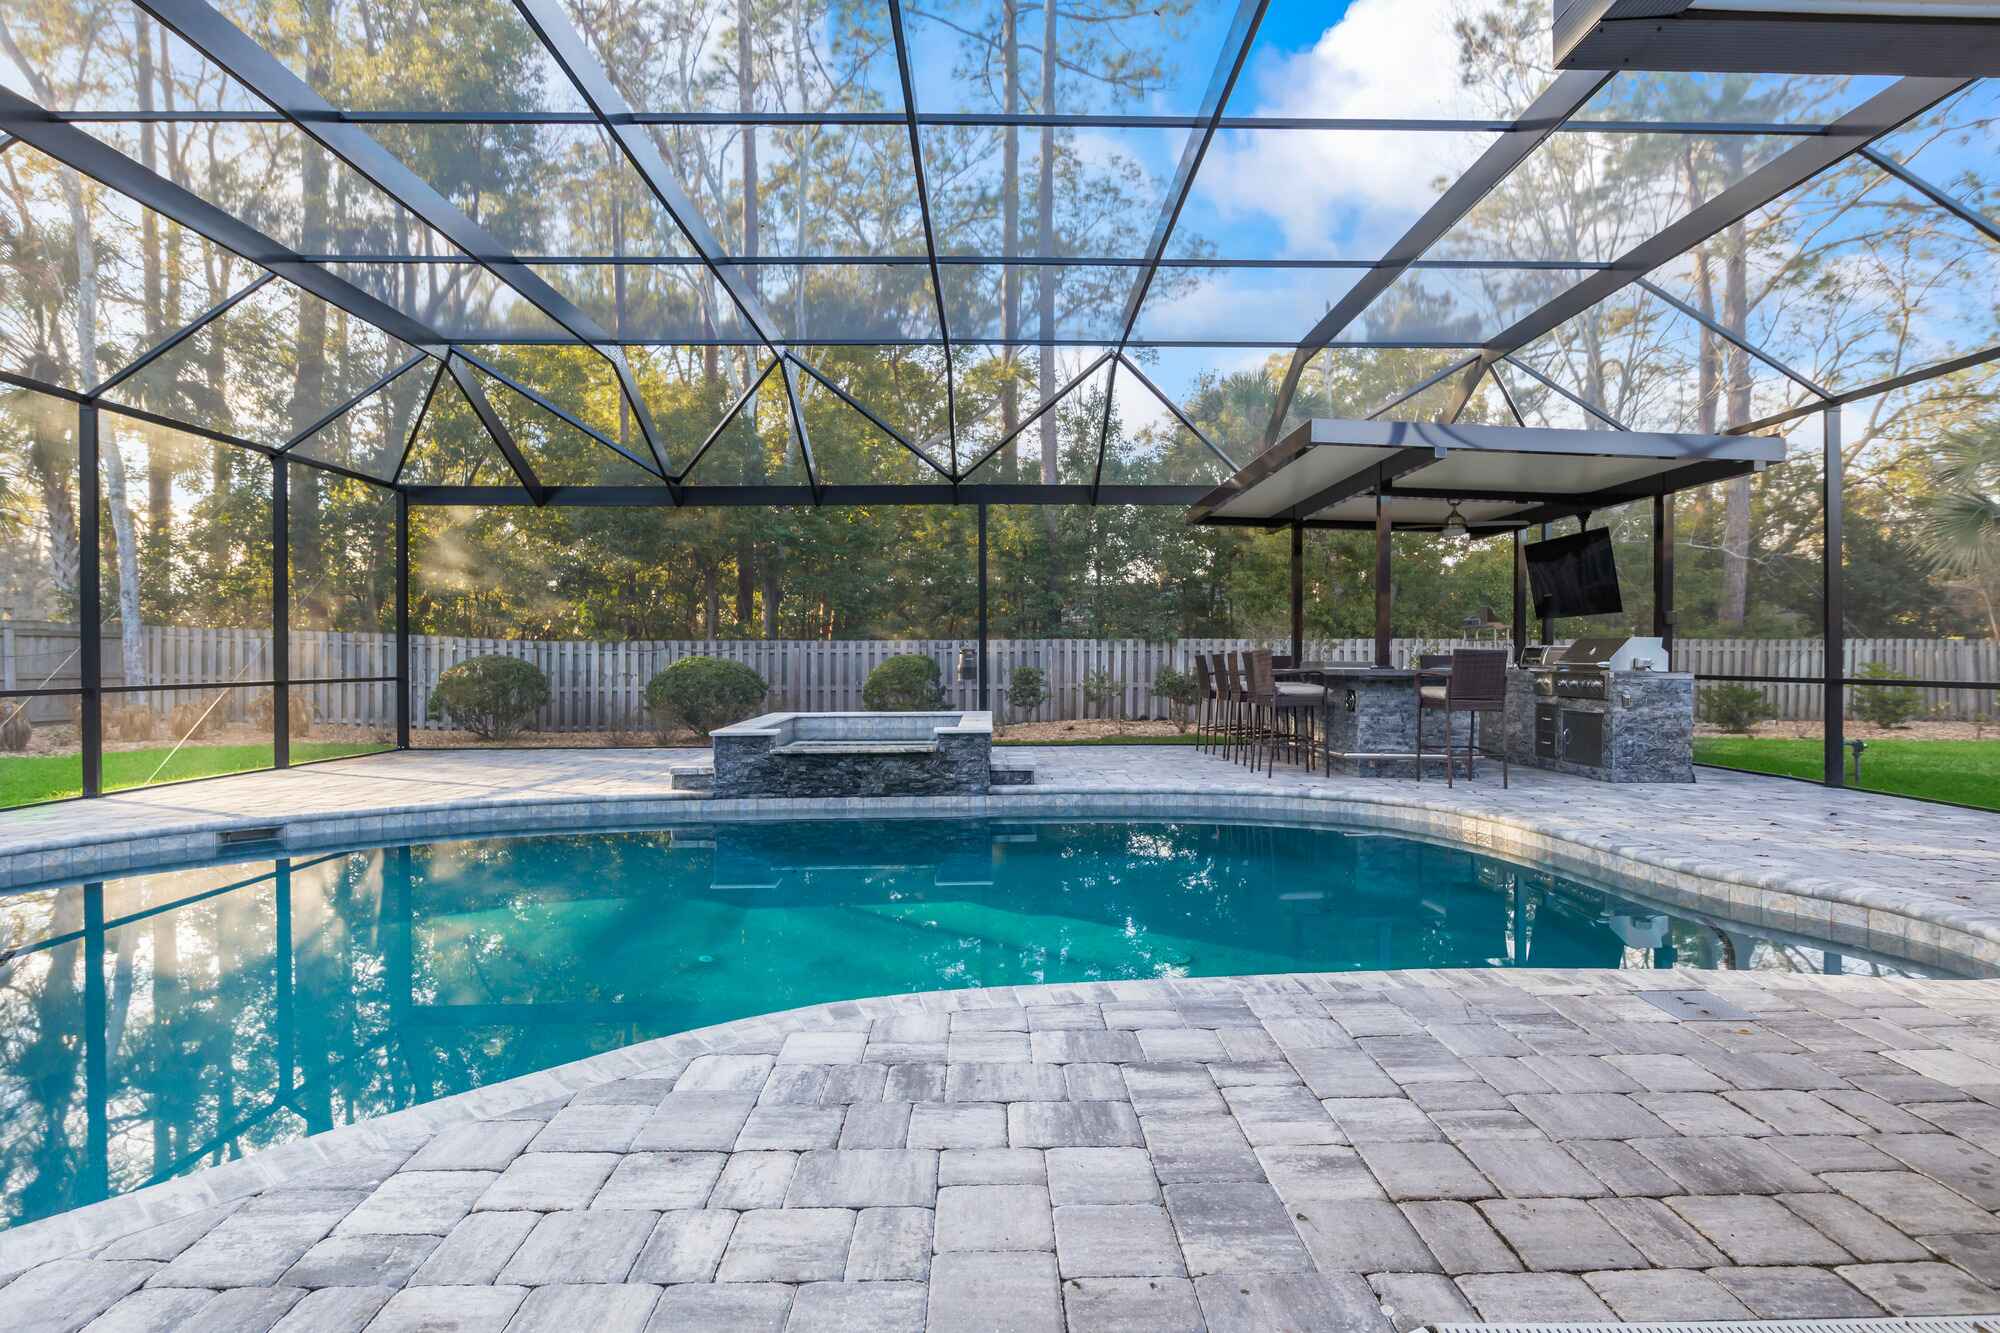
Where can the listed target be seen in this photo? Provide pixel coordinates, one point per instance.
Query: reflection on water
(172, 1020)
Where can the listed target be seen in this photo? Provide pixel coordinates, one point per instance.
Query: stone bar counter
(1372, 711)
(1641, 731)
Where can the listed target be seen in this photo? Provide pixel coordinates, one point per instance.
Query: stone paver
(1243, 1155)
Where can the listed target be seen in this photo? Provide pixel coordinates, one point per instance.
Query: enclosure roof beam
(1559, 390)
(863, 409)
(1969, 361)
(570, 52)
(735, 408)
(182, 334)
(542, 402)
(341, 409)
(216, 37)
(1878, 115)
(1178, 415)
(930, 231)
(966, 119)
(888, 493)
(1040, 409)
(503, 439)
(111, 168)
(1566, 93)
(1734, 339)
(1222, 82)
(1407, 394)
(1972, 217)
(799, 427)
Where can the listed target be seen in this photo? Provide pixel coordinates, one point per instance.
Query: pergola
(1322, 474)
(1378, 476)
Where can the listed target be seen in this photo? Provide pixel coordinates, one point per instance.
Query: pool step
(1010, 770)
(693, 777)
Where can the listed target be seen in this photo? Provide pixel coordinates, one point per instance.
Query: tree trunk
(1736, 536)
(1737, 385)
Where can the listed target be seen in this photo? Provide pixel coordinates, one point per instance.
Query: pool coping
(402, 1132)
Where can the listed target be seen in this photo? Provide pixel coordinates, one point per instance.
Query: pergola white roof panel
(1332, 473)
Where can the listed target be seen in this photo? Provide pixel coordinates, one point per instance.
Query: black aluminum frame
(343, 133)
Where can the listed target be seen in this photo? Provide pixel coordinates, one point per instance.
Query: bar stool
(1209, 701)
(1478, 685)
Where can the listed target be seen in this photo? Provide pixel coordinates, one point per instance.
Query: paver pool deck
(1331, 1152)
(1357, 1151)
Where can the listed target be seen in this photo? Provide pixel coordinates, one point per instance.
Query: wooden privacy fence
(602, 686)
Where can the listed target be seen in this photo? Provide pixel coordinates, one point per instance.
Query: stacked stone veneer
(1648, 727)
(855, 754)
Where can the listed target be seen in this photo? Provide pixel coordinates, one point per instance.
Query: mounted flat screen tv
(1574, 575)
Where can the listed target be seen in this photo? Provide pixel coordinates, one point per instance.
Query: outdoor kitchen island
(1368, 727)
(1602, 708)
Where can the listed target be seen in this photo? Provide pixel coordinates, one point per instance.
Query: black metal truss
(1972, 217)
(341, 409)
(884, 493)
(220, 40)
(182, 334)
(1568, 93)
(341, 133)
(962, 119)
(1592, 408)
(111, 168)
(930, 231)
(1723, 332)
(1900, 102)
(463, 375)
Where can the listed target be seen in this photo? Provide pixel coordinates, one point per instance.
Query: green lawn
(1967, 772)
(49, 777)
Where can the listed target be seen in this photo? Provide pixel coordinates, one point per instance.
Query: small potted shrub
(1733, 708)
(905, 683)
(701, 694)
(491, 697)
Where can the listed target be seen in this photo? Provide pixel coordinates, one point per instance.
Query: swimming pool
(166, 1021)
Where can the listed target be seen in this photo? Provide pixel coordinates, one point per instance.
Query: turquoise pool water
(158, 1023)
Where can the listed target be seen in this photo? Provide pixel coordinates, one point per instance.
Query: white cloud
(1339, 193)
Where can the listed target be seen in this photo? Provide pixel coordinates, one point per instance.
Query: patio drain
(1693, 1006)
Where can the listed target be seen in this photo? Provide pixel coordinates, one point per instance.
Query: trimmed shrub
(491, 697)
(1179, 689)
(1887, 706)
(1027, 690)
(297, 707)
(701, 694)
(905, 683)
(1734, 708)
(1103, 692)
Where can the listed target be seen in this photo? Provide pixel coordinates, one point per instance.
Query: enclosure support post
(1663, 572)
(1298, 592)
(1547, 609)
(402, 620)
(985, 697)
(1833, 612)
(89, 611)
(281, 615)
(1520, 598)
(1382, 589)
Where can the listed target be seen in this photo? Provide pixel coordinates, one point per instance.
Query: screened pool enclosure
(673, 309)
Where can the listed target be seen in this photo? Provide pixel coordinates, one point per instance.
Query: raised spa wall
(855, 754)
